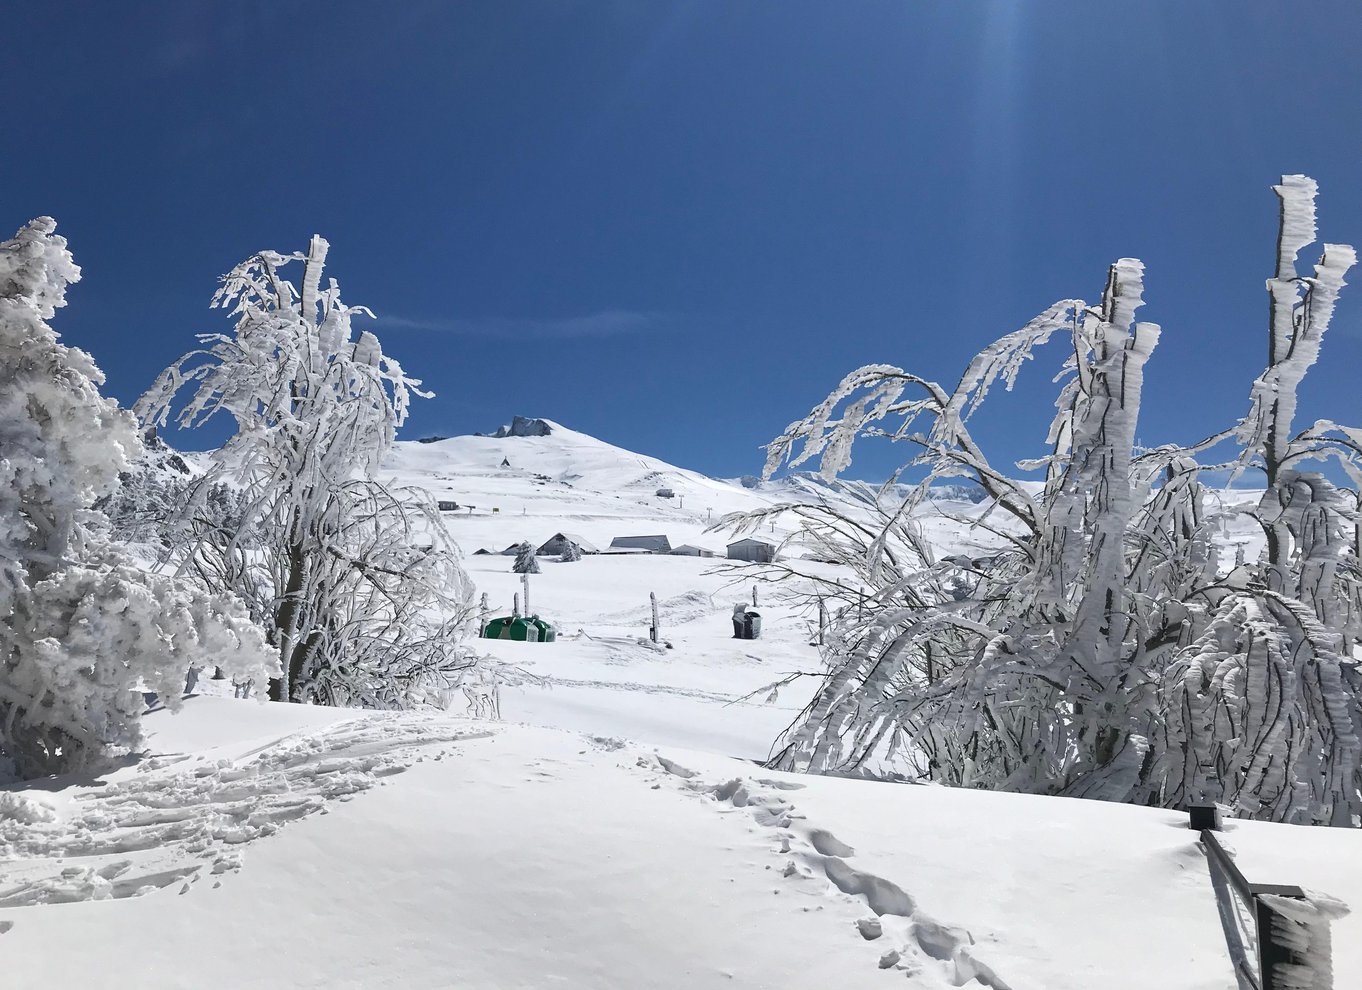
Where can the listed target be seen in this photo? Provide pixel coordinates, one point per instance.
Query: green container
(522, 628)
(516, 627)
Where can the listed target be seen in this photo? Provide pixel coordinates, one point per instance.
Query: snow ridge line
(179, 819)
(924, 948)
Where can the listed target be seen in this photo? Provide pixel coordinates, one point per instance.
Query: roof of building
(748, 539)
(582, 542)
(651, 542)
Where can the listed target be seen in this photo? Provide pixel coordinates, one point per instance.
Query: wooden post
(654, 632)
(822, 622)
(525, 580)
(482, 606)
(754, 596)
(515, 604)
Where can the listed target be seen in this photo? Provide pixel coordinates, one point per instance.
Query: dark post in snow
(654, 632)
(754, 596)
(1286, 945)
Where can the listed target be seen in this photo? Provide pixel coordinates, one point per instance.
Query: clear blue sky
(676, 225)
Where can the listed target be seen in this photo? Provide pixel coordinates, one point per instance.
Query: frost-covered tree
(83, 630)
(571, 552)
(526, 561)
(159, 494)
(1101, 649)
(358, 585)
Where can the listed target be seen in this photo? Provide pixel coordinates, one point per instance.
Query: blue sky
(677, 225)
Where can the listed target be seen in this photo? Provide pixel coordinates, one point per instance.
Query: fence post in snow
(754, 596)
(525, 580)
(515, 604)
(654, 632)
(822, 622)
(482, 606)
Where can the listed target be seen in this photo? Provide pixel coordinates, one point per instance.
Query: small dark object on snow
(1204, 816)
(746, 622)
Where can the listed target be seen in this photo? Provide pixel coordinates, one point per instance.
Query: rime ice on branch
(358, 585)
(1102, 650)
(83, 629)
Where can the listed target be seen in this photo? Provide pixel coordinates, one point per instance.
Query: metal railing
(1258, 968)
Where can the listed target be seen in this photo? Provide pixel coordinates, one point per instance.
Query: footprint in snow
(810, 850)
(175, 821)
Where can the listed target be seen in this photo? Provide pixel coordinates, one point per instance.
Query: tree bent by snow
(1101, 649)
(83, 630)
(358, 585)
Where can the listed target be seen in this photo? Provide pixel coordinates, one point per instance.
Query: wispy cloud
(606, 323)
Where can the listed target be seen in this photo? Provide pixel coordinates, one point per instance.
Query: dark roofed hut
(556, 543)
(650, 544)
(756, 551)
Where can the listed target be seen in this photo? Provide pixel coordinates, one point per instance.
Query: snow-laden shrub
(1103, 649)
(359, 586)
(82, 630)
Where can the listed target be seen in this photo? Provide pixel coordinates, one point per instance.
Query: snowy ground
(273, 846)
(612, 831)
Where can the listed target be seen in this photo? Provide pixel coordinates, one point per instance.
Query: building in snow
(651, 544)
(757, 551)
(665, 493)
(556, 544)
(687, 550)
(447, 506)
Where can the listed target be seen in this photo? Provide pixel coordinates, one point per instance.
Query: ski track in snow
(681, 692)
(179, 819)
(915, 943)
(677, 610)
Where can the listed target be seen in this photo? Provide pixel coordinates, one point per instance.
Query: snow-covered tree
(83, 630)
(1100, 649)
(359, 585)
(571, 552)
(526, 561)
(160, 494)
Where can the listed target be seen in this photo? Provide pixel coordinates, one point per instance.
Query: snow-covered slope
(279, 846)
(528, 487)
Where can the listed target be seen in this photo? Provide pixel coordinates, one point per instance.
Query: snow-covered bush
(358, 585)
(82, 629)
(1102, 649)
(526, 562)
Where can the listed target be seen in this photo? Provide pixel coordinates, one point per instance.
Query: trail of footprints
(914, 943)
(179, 819)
